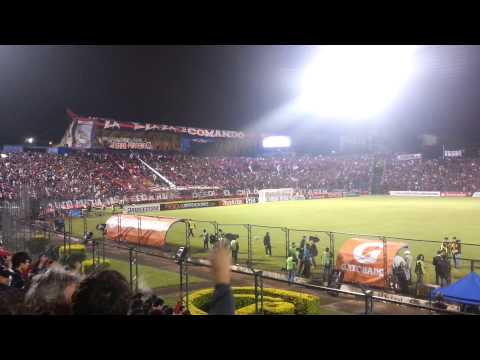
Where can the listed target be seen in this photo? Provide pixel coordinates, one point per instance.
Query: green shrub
(87, 266)
(74, 253)
(269, 308)
(79, 248)
(275, 302)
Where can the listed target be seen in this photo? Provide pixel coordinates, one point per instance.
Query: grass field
(151, 277)
(413, 218)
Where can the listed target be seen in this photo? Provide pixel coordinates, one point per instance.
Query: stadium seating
(87, 175)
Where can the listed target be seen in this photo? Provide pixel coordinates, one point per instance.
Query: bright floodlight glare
(3, 156)
(276, 142)
(29, 140)
(356, 82)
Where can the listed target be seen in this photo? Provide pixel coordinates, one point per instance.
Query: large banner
(84, 134)
(133, 135)
(404, 157)
(476, 194)
(363, 260)
(415, 193)
(137, 140)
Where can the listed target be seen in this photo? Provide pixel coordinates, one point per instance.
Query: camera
(181, 254)
(231, 237)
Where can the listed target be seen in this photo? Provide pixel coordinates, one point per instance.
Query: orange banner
(139, 230)
(362, 260)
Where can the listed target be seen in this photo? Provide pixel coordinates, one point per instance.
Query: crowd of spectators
(448, 175)
(48, 288)
(99, 175)
(89, 175)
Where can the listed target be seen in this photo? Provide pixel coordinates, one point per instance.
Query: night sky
(226, 87)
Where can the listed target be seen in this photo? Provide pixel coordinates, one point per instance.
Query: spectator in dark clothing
(137, 307)
(222, 302)
(104, 293)
(307, 261)
(41, 265)
(205, 239)
(435, 263)
(444, 271)
(213, 240)
(268, 244)
(11, 299)
(20, 264)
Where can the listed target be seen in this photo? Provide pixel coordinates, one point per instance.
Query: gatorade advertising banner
(363, 262)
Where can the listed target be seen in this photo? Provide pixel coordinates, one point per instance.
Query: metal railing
(251, 257)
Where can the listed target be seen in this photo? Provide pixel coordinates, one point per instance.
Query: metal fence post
(249, 245)
(85, 227)
(287, 241)
(256, 292)
(94, 263)
(385, 263)
(472, 265)
(261, 292)
(132, 257)
(332, 243)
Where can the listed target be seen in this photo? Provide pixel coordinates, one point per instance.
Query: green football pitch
(407, 218)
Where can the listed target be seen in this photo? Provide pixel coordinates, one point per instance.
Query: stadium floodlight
(357, 81)
(29, 140)
(3, 156)
(276, 142)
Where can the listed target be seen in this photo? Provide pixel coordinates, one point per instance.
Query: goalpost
(269, 195)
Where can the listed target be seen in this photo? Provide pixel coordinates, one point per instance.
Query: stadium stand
(87, 175)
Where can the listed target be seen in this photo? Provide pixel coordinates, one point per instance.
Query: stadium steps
(377, 176)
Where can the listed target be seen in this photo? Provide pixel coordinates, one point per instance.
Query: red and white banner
(453, 194)
(114, 124)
